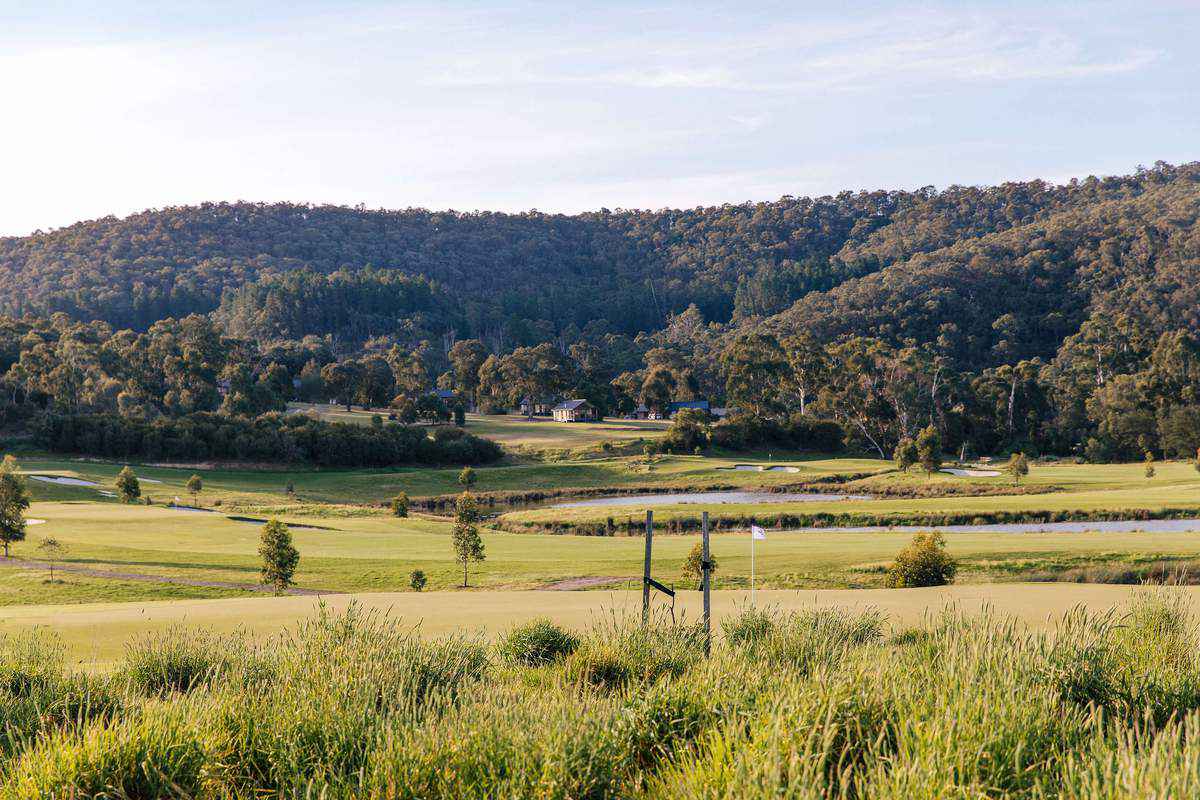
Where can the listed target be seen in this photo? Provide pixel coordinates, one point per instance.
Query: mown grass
(816, 704)
(249, 489)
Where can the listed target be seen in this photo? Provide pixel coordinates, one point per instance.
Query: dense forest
(1024, 316)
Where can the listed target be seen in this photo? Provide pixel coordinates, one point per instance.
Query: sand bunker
(61, 481)
(761, 468)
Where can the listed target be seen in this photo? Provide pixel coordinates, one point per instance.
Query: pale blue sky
(112, 108)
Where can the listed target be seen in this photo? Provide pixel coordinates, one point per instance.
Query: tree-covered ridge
(353, 305)
(526, 278)
(1022, 292)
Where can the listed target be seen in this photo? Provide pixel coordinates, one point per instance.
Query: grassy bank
(811, 704)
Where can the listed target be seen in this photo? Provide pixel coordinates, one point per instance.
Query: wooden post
(646, 569)
(706, 581)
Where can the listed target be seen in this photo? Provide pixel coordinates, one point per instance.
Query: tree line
(1045, 319)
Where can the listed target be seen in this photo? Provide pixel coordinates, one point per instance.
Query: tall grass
(817, 704)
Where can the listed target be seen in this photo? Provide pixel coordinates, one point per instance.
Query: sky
(115, 107)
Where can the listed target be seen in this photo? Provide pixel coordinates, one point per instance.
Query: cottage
(538, 407)
(574, 411)
(641, 412)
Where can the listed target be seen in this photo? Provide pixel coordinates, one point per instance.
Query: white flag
(757, 532)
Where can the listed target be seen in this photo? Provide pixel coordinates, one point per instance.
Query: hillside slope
(521, 278)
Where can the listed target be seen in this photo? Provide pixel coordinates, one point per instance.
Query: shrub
(538, 642)
(693, 565)
(417, 580)
(924, 562)
(400, 505)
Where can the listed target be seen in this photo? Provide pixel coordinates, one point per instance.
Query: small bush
(924, 562)
(417, 580)
(538, 642)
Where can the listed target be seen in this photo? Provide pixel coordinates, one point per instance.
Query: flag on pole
(757, 532)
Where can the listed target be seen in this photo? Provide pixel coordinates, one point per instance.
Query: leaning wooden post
(706, 581)
(646, 569)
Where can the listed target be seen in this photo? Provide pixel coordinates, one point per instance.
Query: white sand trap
(35, 522)
(972, 473)
(148, 480)
(61, 481)
(760, 468)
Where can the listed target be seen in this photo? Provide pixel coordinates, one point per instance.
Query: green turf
(377, 553)
(518, 431)
(250, 487)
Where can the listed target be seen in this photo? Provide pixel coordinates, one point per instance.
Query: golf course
(193, 557)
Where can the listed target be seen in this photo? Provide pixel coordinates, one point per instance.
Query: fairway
(518, 431)
(247, 488)
(95, 635)
(377, 552)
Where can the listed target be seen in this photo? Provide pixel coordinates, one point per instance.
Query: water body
(1119, 526)
(709, 497)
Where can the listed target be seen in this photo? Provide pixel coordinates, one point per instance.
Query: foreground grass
(816, 704)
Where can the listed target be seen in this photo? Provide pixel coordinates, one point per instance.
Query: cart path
(150, 578)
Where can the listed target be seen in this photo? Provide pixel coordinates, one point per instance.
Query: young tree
(466, 477)
(1149, 465)
(905, 454)
(279, 556)
(924, 562)
(14, 500)
(468, 546)
(1017, 466)
(929, 450)
(195, 485)
(417, 580)
(693, 564)
(400, 505)
(52, 551)
(128, 486)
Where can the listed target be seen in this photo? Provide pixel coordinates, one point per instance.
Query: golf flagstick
(755, 533)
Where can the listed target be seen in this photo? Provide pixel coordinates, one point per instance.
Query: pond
(710, 498)
(1115, 526)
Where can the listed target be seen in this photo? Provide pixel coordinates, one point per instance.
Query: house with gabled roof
(574, 411)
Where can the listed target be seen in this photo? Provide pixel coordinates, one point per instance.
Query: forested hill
(1127, 263)
(898, 263)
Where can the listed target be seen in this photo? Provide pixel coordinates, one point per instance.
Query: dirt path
(144, 578)
(572, 584)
